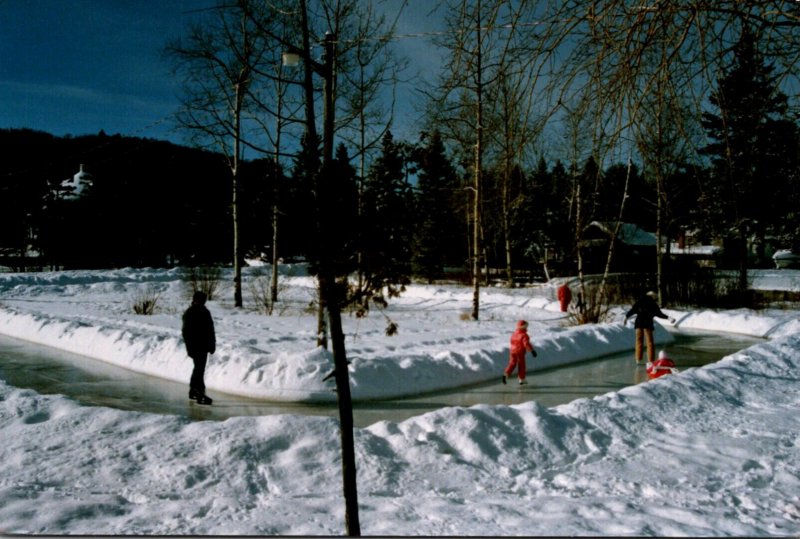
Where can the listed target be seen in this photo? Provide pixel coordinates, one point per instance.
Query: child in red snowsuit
(520, 344)
(663, 365)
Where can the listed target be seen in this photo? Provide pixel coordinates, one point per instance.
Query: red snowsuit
(520, 344)
(663, 365)
(564, 295)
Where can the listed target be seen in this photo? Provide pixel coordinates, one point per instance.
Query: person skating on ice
(520, 345)
(200, 340)
(645, 309)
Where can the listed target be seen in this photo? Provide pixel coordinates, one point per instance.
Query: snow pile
(276, 357)
(704, 452)
(708, 451)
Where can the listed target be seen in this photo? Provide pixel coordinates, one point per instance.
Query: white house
(75, 186)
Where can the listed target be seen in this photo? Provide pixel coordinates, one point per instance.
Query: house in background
(687, 248)
(634, 247)
(75, 186)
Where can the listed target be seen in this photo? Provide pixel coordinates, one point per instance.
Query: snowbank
(276, 358)
(706, 452)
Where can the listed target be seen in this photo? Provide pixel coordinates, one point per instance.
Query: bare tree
(330, 23)
(370, 73)
(215, 64)
(515, 133)
(458, 104)
(656, 54)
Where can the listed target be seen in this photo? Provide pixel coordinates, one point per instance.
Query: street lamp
(290, 59)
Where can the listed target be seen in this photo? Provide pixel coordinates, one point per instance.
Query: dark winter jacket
(645, 310)
(198, 331)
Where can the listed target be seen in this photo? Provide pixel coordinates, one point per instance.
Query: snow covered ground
(709, 451)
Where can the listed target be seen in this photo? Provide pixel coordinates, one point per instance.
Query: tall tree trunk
(506, 218)
(237, 266)
(273, 295)
(273, 286)
(601, 291)
(577, 195)
(476, 239)
(332, 300)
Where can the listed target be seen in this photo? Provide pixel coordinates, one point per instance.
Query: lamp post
(330, 301)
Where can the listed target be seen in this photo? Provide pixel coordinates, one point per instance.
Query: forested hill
(149, 202)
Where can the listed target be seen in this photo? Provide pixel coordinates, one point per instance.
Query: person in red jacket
(564, 295)
(520, 345)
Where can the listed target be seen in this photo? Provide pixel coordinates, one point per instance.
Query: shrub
(260, 286)
(205, 279)
(145, 301)
(593, 308)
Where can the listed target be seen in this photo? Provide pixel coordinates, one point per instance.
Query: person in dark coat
(200, 340)
(645, 309)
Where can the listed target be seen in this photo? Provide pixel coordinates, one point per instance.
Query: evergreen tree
(639, 211)
(439, 233)
(260, 183)
(747, 158)
(300, 204)
(778, 206)
(559, 211)
(387, 227)
(340, 196)
(491, 229)
(528, 215)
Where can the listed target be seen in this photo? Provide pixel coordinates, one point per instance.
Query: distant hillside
(150, 202)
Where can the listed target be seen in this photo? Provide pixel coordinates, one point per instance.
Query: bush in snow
(260, 286)
(205, 279)
(145, 301)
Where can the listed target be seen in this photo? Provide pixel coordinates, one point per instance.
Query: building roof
(628, 233)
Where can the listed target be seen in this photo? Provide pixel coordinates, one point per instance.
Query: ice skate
(204, 399)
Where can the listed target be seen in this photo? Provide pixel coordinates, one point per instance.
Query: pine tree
(439, 238)
(558, 209)
(300, 205)
(341, 203)
(527, 215)
(749, 119)
(387, 227)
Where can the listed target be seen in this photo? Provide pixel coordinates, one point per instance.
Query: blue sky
(80, 66)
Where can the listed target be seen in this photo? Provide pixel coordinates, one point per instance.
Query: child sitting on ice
(520, 344)
(663, 365)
